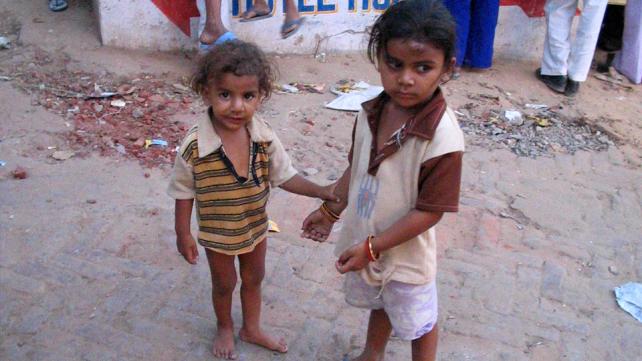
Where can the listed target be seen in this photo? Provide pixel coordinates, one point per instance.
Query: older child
(404, 173)
(228, 162)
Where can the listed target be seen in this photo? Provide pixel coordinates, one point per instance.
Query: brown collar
(423, 125)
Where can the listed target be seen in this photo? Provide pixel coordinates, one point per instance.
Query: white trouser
(560, 56)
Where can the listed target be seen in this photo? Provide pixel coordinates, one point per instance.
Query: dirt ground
(88, 266)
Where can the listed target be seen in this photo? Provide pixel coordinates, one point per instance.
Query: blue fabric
(476, 23)
(228, 36)
(629, 297)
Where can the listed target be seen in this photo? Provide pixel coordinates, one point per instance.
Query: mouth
(405, 95)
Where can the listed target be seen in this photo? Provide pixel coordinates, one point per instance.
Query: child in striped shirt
(228, 162)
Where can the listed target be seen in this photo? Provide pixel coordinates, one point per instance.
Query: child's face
(411, 71)
(234, 99)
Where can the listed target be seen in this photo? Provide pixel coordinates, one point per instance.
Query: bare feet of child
(262, 339)
(211, 33)
(224, 344)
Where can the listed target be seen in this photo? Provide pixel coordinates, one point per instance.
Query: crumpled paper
(629, 297)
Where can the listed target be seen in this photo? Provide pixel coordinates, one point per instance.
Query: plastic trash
(629, 297)
(350, 98)
(5, 43)
(155, 142)
(2, 163)
(273, 227)
(514, 117)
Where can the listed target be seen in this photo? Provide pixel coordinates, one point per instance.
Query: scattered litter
(310, 171)
(19, 173)
(118, 103)
(5, 78)
(287, 88)
(536, 106)
(629, 297)
(155, 142)
(120, 149)
(296, 87)
(5, 43)
(321, 57)
(539, 121)
(345, 86)
(2, 163)
(514, 117)
(52, 147)
(273, 227)
(614, 270)
(62, 154)
(181, 88)
(352, 95)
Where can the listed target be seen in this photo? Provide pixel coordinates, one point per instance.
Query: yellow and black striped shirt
(231, 210)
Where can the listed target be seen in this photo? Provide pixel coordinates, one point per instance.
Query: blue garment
(476, 23)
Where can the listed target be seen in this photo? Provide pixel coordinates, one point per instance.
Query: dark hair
(419, 20)
(239, 58)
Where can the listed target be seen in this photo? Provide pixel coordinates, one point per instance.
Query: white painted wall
(139, 24)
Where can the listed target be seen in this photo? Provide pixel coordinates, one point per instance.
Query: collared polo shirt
(231, 210)
(418, 168)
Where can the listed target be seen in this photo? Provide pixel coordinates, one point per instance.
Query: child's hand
(327, 193)
(187, 247)
(352, 259)
(316, 227)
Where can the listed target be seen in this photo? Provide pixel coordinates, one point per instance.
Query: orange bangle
(369, 251)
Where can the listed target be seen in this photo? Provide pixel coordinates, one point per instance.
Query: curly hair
(239, 58)
(419, 20)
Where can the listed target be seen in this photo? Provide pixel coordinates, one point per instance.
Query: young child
(405, 171)
(228, 162)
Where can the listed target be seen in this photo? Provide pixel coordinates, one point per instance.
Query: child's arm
(184, 241)
(410, 226)
(317, 226)
(299, 185)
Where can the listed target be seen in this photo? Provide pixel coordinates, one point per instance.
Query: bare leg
(214, 27)
(379, 329)
(291, 11)
(259, 7)
(425, 347)
(223, 283)
(252, 266)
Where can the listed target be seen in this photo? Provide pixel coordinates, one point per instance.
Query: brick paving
(523, 268)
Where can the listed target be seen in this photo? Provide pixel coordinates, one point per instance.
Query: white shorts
(412, 309)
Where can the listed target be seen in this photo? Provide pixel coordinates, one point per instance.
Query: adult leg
(483, 21)
(379, 329)
(557, 43)
(214, 27)
(460, 10)
(586, 39)
(223, 283)
(259, 10)
(252, 267)
(292, 21)
(425, 347)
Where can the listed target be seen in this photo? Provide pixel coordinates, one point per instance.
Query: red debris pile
(112, 116)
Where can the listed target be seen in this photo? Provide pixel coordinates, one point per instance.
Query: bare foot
(224, 344)
(262, 339)
(211, 33)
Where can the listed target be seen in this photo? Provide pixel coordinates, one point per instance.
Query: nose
(406, 78)
(237, 104)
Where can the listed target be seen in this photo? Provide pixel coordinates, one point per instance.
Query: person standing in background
(566, 64)
(476, 22)
(629, 60)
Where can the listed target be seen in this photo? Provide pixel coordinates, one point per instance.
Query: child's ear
(449, 68)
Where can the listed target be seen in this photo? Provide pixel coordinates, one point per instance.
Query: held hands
(187, 247)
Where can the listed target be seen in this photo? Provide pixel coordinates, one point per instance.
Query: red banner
(179, 12)
(532, 8)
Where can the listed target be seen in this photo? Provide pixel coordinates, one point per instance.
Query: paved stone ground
(523, 267)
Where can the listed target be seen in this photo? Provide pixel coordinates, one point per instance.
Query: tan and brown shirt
(419, 168)
(231, 210)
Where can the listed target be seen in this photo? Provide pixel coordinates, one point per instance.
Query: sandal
(57, 5)
(245, 17)
(290, 28)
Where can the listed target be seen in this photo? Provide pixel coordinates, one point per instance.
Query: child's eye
(423, 68)
(224, 95)
(250, 96)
